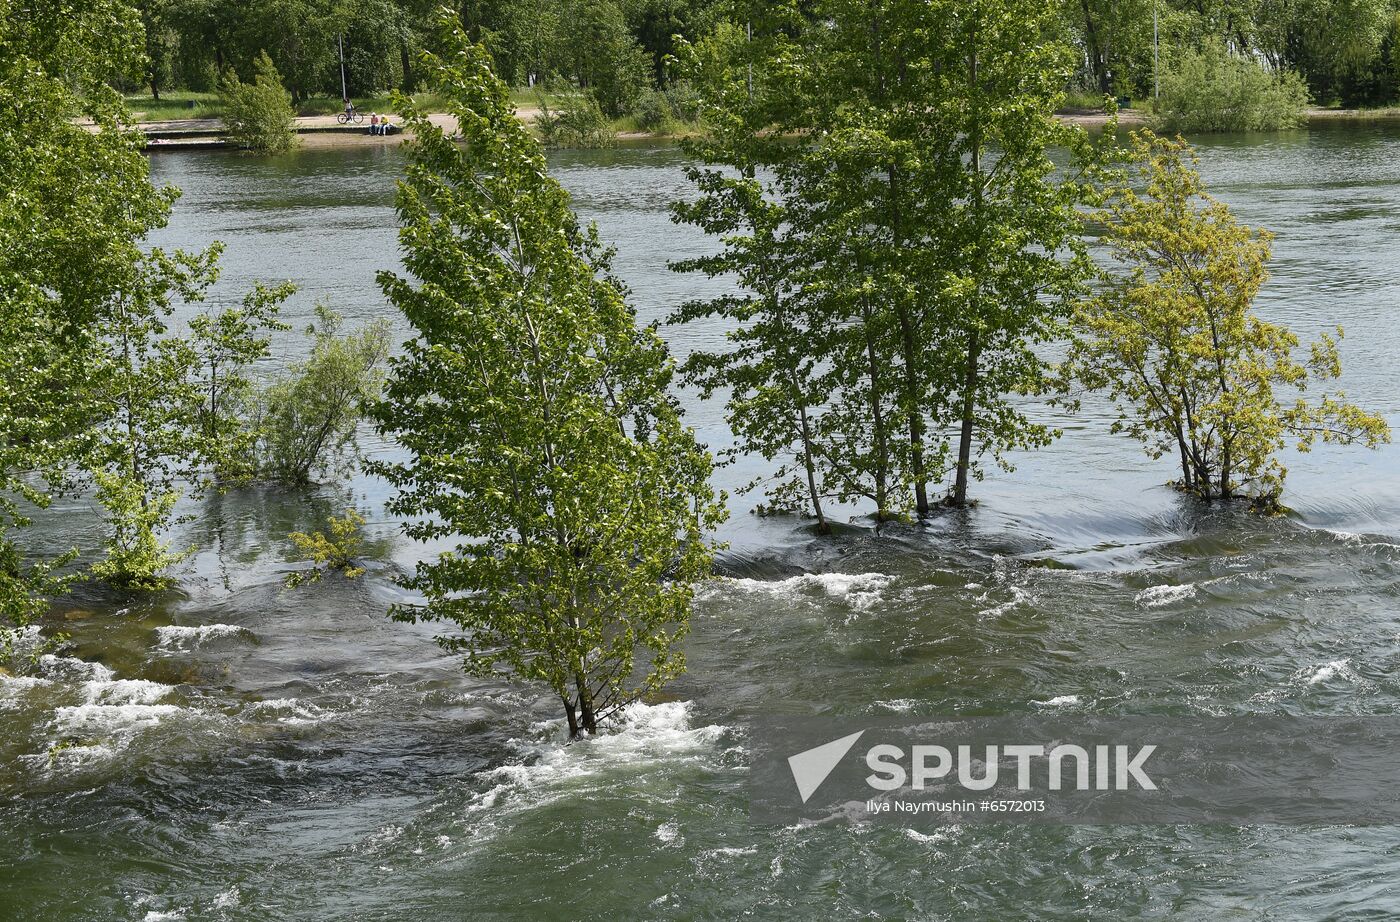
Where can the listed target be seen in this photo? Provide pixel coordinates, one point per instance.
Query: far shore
(323, 131)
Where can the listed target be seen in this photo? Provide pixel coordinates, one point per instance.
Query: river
(230, 750)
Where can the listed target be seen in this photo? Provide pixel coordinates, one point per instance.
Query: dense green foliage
(1346, 51)
(536, 415)
(613, 50)
(573, 120)
(102, 391)
(1343, 49)
(902, 234)
(258, 114)
(1176, 343)
(305, 419)
(76, 204)
(1212, 90)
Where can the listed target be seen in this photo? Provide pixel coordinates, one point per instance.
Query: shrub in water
(306, 419)
(337, 549)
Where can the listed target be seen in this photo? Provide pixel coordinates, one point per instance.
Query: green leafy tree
(777, 348)
(162, 422)
(603, 55)
(76, 203)
(1010, 254)
(1213, 90)
(536, 417)
(258, 115)
(147, 438)
(1175, 342)
(930, 244)
(771, 370)
(307, 418)
(226, 346)
(573, 119)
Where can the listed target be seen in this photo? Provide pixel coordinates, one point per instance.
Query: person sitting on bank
(385, 126)
(374, 123)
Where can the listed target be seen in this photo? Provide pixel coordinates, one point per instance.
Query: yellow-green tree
(1176, 344)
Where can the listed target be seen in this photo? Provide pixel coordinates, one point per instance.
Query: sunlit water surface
(230, 750)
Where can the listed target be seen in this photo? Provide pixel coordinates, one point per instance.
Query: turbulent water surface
(230, 750)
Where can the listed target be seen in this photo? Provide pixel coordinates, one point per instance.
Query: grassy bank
(1380, 114)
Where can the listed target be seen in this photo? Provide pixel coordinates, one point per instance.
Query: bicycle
(354, 115)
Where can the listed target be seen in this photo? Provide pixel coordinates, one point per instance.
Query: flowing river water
(229, 750)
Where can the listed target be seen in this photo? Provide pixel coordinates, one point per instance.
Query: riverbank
(319, 132)
(324, 131)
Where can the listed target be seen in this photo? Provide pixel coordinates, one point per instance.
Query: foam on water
(1325, 671)
(292, 711)
(1019, 596)
(1162, 596)
(859, 590)
(1059, 701)
(186, 637)
(124, 691)
(646, 735)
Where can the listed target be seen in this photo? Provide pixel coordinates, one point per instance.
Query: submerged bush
(337, 549)
(258, 115)
(1213, 90)
(306, 419)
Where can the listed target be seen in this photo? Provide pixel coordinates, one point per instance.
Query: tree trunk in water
(882, 453)
(822, 527)
(588, 721)
(911, 361)
(969, 411)
(572, 715)
(974, 344)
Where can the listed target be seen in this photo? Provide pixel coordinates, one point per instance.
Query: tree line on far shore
(1248, 63)
(880, 185)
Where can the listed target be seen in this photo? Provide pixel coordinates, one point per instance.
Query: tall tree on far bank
(540, 434)
(1175, 342)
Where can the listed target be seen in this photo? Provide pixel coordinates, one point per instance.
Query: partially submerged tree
(226, 346)
(535, 413)
(161, 425)
(335, 549)
(1175, 342)
(903, 237)
(76, 204)
(306, 419)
